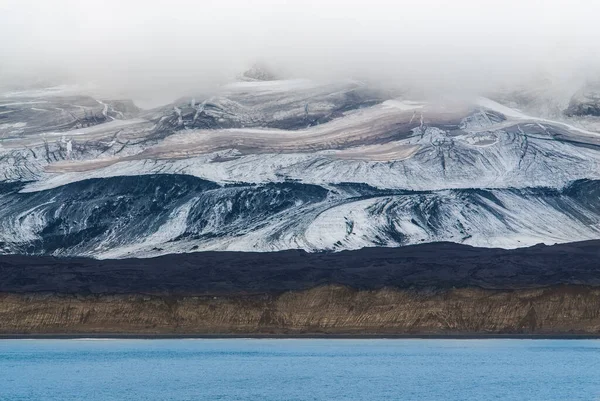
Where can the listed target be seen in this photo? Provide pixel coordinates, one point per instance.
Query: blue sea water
(239, 369)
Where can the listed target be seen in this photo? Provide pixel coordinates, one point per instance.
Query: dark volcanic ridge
(435, 265)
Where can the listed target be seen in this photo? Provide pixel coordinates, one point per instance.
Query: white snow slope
(388, 172)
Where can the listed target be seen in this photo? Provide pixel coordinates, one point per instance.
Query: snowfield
(296, 164)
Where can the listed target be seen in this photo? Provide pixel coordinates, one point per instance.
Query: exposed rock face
(327, 309)
(586, 102)
(259, 72)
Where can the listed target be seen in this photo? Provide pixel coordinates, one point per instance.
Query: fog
(164, 48)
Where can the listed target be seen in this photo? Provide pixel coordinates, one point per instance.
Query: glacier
(289, 164)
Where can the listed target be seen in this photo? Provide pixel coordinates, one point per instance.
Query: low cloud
(170, 48)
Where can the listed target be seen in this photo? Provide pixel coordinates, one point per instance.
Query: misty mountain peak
(586, 102)
(258, 72)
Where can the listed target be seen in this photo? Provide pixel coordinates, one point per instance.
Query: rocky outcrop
(586, 102)
(259, 72)
(329, 309)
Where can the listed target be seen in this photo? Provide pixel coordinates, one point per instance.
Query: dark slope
(131, 216)
(437, 265)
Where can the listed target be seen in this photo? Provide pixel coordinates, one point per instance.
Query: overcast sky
(178, 45)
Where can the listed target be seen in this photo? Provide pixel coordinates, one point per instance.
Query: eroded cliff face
(327, 309)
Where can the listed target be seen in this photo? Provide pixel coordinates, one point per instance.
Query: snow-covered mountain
(269, 165)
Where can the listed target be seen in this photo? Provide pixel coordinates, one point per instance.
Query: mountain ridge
(289, 164)
(426, 266)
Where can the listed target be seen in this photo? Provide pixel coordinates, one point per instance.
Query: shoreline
(123, 336)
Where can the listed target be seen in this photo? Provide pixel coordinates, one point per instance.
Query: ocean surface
(240, 369)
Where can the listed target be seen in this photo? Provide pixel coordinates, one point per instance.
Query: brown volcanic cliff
(327, 309)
